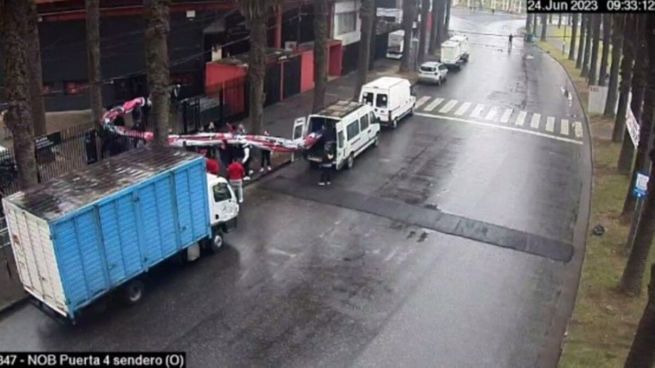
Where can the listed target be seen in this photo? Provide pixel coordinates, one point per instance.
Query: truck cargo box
(79, 236)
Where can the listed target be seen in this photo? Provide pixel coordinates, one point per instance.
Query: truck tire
(216, 242)
(351, 161)
(133, 292)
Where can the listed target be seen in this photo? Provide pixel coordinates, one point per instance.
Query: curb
(11, 306)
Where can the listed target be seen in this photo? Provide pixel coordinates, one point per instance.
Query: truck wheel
(376, 141)
(133, 292)
(351, 162)
(216, 242)
(394, 123)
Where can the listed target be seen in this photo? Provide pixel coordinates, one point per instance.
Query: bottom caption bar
(168, 360)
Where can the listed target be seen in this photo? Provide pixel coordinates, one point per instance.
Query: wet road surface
(455, 243)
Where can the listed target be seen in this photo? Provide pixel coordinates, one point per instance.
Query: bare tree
(374, 34)
(33, 46)
(544, 27)
(423, 30)
(642, 354)
(441, 17)
(93, 57)
(612, 92)
(595, 43)
(321, 15)
(156, 46)
(607, 32)
(366, 15)
(574, 34)
(627, 151)
(409, 14)
(434, 30)
(18, 117)
(581, 50)
(446, 22)
(587, 45)
(256, 14)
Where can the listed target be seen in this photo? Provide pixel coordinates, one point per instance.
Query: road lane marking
(520, 120)
(550, 124)
(534, 123)
(463, 108)
(577, 128)
(491, 114)
(432, 105)
(505, 118)
(564, 129)
(503, 127)
(448, 106)
(422, 101)
(477, 111)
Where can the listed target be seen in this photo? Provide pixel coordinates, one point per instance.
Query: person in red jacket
(235, 174)
(213, 167)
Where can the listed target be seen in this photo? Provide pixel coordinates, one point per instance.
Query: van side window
(353, 130)
(363, 122)
(381, 101)
(371, 116)
(221, 192)
(368, 98)
(340, 139)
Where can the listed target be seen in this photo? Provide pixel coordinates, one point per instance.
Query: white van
(463, 46)
(395, 44)
(346, 127)
(391, 99)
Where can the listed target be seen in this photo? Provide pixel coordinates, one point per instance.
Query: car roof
(431, 64)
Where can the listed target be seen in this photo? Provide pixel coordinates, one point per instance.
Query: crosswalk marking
(477, 111)
(491, 114)
(432, 105)
(577, 128)
(422, 101)
(520, 119)
(463, 108)
(505, 118)
(550, 124)
(534, 123)
(448, 106)
(564, 129)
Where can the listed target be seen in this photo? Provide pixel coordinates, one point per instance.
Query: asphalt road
(455, 243)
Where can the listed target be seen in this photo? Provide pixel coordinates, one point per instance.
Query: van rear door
(341, 145)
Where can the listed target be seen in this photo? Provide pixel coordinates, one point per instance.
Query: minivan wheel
(376, 142)
(394, 123)
(133, 292)
(351, 162)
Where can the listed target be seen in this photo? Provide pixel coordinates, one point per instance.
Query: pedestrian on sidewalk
(246, 161)
(326, 165)
(266, 157)
(235, 174)
(511, 37)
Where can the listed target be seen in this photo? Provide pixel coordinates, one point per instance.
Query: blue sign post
(641, 185)
(639, 190)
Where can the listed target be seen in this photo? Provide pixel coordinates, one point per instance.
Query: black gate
(291, 77)
(272, 84)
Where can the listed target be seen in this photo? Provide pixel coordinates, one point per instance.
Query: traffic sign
(641, 185)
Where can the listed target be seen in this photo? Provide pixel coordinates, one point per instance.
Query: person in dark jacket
(326, 165)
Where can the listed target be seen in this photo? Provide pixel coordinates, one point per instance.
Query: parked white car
(391, 99)
(432, 72)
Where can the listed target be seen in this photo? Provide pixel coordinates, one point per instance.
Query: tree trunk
(423, 30)
(409, 14)
(642, 353)
(534, 24)
(441, 16)
(93, 58)
(612, 90)
(593, 65)
(634, 271)
(607, 32)
(574, 34)
(587, 45)
(625, 157)
(374, 30)
(156, 45)
(321, 15)
(446, 23)
(583, 30)
(544, 27)
(18, 117)
(366, 14)
(559, 20)
(528, 23)
(434, 30)
(33, 46)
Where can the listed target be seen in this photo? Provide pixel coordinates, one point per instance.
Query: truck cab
(223, 205)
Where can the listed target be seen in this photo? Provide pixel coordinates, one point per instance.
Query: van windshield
(381, 101)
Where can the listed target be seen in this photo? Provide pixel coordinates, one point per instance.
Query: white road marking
(534, 123)
(550, 124)
(433, 104)
(448, 106)
(491, 114)
(281, 252)
(577, 128)
(463, 108)
(505, 118)
(520, 119)
(564, 129)
(503, 127)
(422, 101)
(477, 111)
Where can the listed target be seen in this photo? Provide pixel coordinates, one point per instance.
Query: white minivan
(348, 128)
(391, 99)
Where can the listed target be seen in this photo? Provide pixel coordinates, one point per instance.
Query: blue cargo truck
(99, 230)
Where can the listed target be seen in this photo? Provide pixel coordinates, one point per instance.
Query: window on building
(353, 130)
(346, 22)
